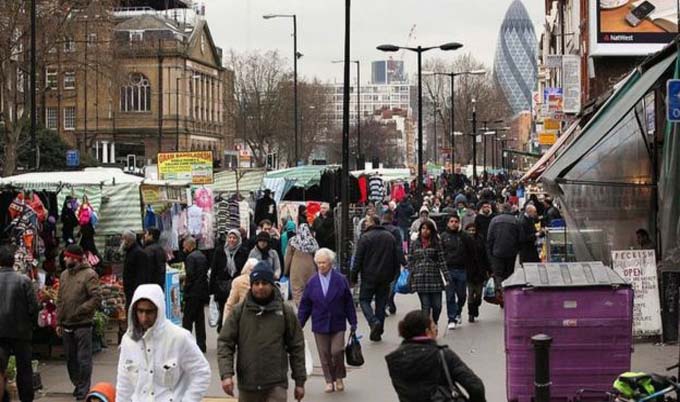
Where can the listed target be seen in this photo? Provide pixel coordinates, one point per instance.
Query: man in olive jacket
(78, 300)
(18, 313)
(268, 336)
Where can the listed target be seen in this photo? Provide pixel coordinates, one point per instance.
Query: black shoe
(381, 329)
(375, 332)
(471, 318)
(392, 308)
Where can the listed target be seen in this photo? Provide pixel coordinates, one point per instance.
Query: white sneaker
(451, 326)
(459, 320)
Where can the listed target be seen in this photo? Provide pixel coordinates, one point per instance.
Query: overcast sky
(238, 25)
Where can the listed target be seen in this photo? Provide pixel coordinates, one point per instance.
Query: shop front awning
(543, 163)
(302, 176)
(633, 88)
(53, 181)
(241, 181)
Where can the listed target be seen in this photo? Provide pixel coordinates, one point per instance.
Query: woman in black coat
(226, 265)
(416, 367)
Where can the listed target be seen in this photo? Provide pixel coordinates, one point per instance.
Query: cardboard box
(111, 338)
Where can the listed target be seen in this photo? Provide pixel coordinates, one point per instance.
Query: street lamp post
(452, 76)
(434, 115)
(474, 142)
(296, 56)
(419, 50)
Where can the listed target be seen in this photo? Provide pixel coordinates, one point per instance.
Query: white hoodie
(165, 364)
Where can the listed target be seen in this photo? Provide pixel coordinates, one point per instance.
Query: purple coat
(331, 313)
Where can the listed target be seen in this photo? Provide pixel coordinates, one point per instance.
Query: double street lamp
(452, 76)
(296, 56)
(420, 50)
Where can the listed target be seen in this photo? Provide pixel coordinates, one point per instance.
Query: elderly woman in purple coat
(328, 300)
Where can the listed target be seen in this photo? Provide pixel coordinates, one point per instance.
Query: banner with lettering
(638, 267)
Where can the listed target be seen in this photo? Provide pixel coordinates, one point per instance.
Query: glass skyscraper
(515, 65)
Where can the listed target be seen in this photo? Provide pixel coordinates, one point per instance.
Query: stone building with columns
(143, 81)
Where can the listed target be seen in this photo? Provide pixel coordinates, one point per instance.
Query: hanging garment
(234, 221)
(194, 220)
(363, 189)
(222, 217)
(376, 189)
(398, 192)
(244, 215)
(150, 220)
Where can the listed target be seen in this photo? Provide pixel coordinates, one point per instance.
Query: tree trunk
(10, 155)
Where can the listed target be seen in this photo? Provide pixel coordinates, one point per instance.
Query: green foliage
(11, 372)
(99, 321)
(52, 152)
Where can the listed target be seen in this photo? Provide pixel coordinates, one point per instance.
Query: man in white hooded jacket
(159, 361)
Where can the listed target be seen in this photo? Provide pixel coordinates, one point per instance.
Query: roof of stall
(387, 175)
(303, 176)
(83, 178)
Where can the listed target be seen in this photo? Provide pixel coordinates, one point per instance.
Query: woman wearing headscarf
(226, 265)
(287, 233)
(299, 262)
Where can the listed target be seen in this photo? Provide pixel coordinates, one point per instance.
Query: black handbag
(353, 354)
(449, 393)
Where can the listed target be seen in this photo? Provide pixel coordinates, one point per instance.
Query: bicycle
(661, 389)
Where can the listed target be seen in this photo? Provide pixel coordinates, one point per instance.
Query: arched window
(135, 95)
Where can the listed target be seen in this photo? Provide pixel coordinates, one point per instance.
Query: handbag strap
(452, 388)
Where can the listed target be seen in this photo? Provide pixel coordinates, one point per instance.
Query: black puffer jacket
(157, 259)
(416, 371)
(19, 308)
(504, 236)
(196, 282)
(458, 249)
(220, 280)
(377, 257)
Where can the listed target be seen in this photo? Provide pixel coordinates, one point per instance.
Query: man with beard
(265, 334)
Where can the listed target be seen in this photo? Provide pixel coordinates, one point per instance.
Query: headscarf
(285, 238)
(231, 252)
(304, 241)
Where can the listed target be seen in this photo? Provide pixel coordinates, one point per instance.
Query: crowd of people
(460, 238)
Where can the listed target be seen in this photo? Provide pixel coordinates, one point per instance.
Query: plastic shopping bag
(309, 361)
(213, 313)
(402, 285)
(353, 354)
(490, 295)
(284, 287)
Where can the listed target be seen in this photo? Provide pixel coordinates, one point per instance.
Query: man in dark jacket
(404, 212)
(18, 312)
(196, 291)
(483, 218)
(527, 224)
(458, 253)
(551, 212)
(324, 228)
(265, 333)
(79, 298)
(502, 244)
(377, 261)
(157, 256)
(387, 219)
(265, 208)
(136, 267)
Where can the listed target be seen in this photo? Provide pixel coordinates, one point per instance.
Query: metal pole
(358, 112)
(177, 115)
(435, 133)
(484, 168)
(344, 229)
(474, 144)
(453, 123)
(419, 181)
(34, 142)
(295, 89)
(542, 382)
(160, 97)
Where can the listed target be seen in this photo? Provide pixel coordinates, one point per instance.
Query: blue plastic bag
(402, 284)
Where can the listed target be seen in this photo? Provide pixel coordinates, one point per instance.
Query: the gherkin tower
(515, 65)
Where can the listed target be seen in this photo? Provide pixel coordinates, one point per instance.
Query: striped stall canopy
(303, 176)
(243, 181)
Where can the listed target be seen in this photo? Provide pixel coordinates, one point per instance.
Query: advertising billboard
(631, 27)
(195, 167)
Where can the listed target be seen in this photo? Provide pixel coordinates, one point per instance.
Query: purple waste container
(588, 311)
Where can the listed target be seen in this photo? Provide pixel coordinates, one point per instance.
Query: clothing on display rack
(150, 218)
(376, 189)
(194, 220)
(363, 189)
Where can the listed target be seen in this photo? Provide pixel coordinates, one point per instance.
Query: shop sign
(553, 100)
(673, 102)
(551, 124)
(194, 167)
(546, 138)
(72, 158)
(553, 61)
(638, 267)
(571, 76)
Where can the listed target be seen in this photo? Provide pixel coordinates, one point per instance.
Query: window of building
(92, 39)
(69, 45)
(135, 96)
(51, 118)
(136, 36)
(51, 78)
(69, 118)
(70, 80)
